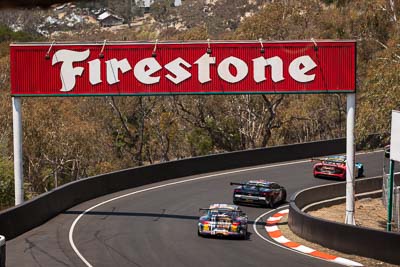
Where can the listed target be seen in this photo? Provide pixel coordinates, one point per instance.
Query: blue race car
(223, 220)
(259, 192)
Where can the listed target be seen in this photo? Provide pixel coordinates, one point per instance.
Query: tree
(127, 9)
(62, 141)
(282, 21)
(193, 13)
(380, 92)
(23, 20)
(164, 12)
(6, 183)
(218, 17)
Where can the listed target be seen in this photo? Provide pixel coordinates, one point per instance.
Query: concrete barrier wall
(349, 239)
(30, 214)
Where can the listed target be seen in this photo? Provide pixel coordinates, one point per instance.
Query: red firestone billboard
(237, 67)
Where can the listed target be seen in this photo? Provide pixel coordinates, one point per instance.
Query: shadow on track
(219, 237)
(142, 214)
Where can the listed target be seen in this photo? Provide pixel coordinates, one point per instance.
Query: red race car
(335, 167)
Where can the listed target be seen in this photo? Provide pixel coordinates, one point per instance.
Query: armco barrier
(2, 251)
(338, 236)
(30, 214)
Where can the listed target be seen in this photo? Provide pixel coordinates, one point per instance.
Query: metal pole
(390, 197)
(18, 171)
(351, 106)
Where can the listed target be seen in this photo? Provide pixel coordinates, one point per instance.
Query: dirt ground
(368, 212)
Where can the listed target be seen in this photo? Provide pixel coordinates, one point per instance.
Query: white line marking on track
(71, 230)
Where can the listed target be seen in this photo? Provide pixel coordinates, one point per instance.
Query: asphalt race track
(157, 227)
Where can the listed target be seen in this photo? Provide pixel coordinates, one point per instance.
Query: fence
(396, 195)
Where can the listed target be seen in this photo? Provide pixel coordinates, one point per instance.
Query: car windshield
(333, 161)
(256, 187)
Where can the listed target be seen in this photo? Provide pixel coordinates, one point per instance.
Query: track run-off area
(156, 224)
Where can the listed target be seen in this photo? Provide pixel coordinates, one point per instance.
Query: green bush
(200, 142)
(7, 34)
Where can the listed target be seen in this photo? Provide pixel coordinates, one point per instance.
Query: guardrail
(19, 219)
(339, 236)
(2, 251)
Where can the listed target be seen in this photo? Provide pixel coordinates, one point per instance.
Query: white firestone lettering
(180, 73)
(276, 64)
(94, 72)
(113, 66)
(241, 68)
(145, 68)
(68, 73)
(300, 66)
(204, 63)
(143, 75)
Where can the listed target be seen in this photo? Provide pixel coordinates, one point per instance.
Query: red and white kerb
(276, 234)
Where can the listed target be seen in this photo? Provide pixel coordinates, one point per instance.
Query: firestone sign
(182, 68)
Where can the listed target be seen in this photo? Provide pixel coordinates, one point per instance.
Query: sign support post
(18, 170)
(394, 156)
(351, 106)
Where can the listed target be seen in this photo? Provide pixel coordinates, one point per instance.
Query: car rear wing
(257, 185)
(204, 209)
(234, 183)
(330, 160)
